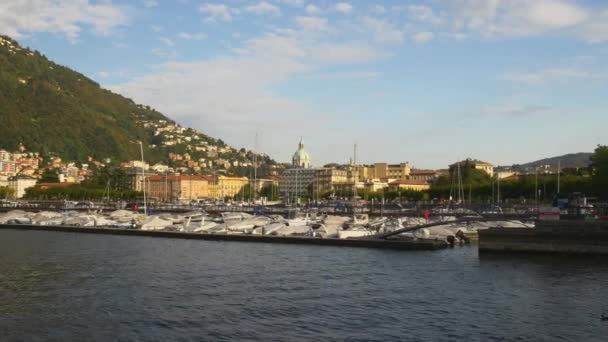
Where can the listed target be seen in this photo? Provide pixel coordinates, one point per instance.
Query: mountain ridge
(53, 109)
(569, 160)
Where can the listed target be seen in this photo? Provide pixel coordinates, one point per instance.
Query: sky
(424, 81)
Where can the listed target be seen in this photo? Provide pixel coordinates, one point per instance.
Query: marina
(359, 230)
(444, 228)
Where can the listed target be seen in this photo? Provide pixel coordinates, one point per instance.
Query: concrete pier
(567, 237)
(368, 243)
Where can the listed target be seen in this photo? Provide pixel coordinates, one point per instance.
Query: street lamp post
(143, 177)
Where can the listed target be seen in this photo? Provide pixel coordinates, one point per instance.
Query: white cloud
(344, 7)
(229, 96)
(157, 28)
(556, 74)
(382, 30)
(345, 53)
(68, 17)
(192, 36)
(312, 23)
(595, 30)
(312, 9)
(219, 12)
(165, 53)
(378, 9)
(511, 110)
(424, 14)
(350, 75)
(516, 17)
(263, 7)
(459, 19)
(295, 3)
(168, 42)
(150, 3)
(421, 37)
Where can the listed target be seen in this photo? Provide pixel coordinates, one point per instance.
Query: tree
(270, 191)
(245, 193)
(114, 177)
(599, 178)
(49, 176)
(6, 192)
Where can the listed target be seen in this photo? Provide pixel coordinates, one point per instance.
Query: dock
(366, 243)
(565, 237)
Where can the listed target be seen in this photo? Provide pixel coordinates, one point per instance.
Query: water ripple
(61, 286)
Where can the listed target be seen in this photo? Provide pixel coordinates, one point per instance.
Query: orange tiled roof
(409, 182)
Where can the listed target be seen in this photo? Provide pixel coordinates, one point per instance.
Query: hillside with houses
(50, 113)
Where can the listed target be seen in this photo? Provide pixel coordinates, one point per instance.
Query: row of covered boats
(306, 225)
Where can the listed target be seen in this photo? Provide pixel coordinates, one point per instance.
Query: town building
(136, 164)
(383, 171)
(177, 188)
(297, 182)
(70, 174)
(405, 184)
(429, 176)
(327, 178)
(375, 185)
(3, 181)
(137, 178)
(221, 187)
(8, 167)
(160, 168)
(5, 155)
(301, 159)
(21, 183)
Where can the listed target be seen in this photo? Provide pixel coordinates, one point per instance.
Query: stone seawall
(568, 237)
(369, 243)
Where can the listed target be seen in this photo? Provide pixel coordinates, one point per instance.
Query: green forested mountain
(51, 108)
(572, 160)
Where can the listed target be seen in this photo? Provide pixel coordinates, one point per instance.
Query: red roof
(409, 182)
(55, 185)
(179, 178)
(423, 172)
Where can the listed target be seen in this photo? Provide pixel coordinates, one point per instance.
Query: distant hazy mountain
(51, 108)
(572, 160)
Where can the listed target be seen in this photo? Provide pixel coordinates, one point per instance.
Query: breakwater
(368, 243)
(567, 236)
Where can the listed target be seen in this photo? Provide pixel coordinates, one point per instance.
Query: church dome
(301, 157)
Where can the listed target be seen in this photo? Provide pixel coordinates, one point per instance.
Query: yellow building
(172, 188)
(19, 184)
(224, 186)
(376, 185)
(327, 177)
(404, 184)
(383, 171)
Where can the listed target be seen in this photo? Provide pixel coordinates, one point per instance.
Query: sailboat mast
(355, 171)
(255, 167)
(559, 167)
(459, 180)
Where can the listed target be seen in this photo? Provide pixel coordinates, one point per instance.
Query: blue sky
(425, 81)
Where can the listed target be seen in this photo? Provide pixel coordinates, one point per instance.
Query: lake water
(84, 287)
